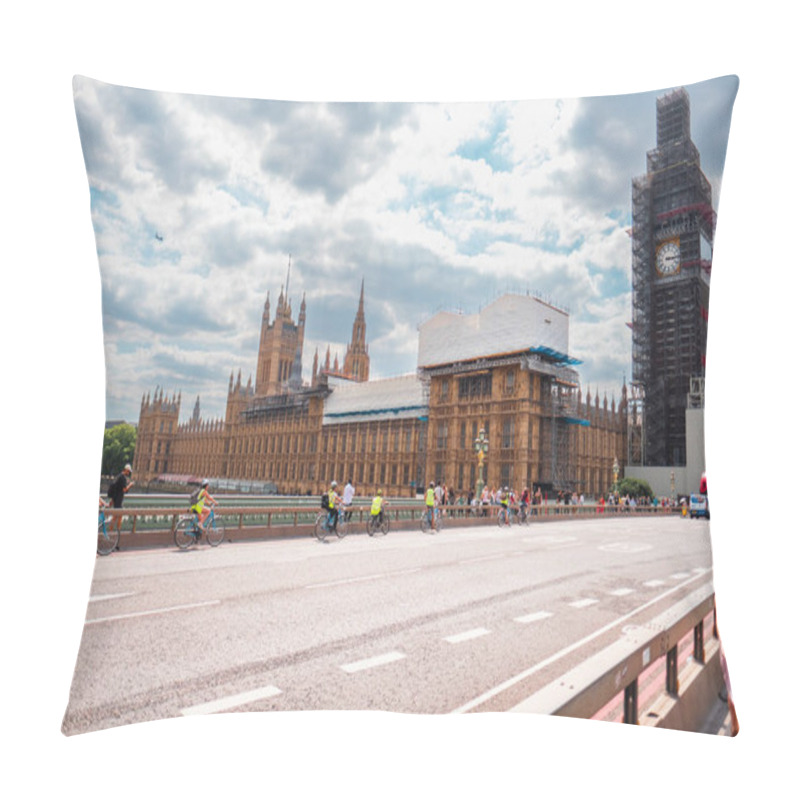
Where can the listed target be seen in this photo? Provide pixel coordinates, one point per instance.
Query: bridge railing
(145, 519)
(613, 678)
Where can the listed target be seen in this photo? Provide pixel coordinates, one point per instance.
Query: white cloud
(199, 201)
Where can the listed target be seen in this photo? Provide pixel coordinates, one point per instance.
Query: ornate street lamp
(481, 448)
(615, 470)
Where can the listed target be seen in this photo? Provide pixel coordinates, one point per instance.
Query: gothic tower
(280, 348)
(356, 360)
(158, 425)
(672, 239)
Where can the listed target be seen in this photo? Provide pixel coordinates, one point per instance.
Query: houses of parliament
(505, 371)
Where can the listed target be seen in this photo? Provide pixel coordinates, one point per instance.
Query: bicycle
(187, 530)
(376, 524)
(322, 527)
(503, 517)
(522, 515)
(425, 521)
(107, 540)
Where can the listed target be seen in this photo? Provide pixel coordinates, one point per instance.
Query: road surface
(464, 620)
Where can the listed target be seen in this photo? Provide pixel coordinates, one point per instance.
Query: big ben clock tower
(672, 238)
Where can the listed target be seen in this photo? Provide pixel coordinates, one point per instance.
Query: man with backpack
(117, 490)
(333, 507)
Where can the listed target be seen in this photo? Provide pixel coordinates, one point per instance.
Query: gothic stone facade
(396, 434)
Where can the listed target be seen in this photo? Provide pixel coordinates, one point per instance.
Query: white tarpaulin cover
(387, 398)
(509, 324)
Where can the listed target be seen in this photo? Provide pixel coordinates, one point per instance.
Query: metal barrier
(152, 519)
(596, 682)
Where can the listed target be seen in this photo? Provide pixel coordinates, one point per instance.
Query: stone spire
(356, 360)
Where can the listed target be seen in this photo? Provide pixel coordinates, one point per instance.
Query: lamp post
(615, 470)
(481, 448)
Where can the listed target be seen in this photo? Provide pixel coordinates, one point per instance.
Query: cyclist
(504, 499)
(378, 504)
(333, 507)
(199, 506)
(430, 502)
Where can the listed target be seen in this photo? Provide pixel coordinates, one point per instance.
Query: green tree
(119, 443)
(635, 487)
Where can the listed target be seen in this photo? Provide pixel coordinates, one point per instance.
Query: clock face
(668, 258)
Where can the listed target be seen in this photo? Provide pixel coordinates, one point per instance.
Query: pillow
(405, 407)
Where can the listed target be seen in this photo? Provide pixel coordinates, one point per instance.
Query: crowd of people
(438, 497)
(451, 503)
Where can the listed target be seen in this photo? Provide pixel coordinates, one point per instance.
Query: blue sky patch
(488, 147)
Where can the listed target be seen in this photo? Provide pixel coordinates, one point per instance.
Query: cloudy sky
(198, 202)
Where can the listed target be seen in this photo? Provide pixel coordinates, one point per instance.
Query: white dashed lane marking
(621, 592)
(361, 578)
(96, 597)
(466, 635)
(376, 661)
(587, 601)
(483, 558)
(151, 612)
(535, 617)
(232, 701)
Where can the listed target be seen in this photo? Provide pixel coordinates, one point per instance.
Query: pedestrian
(439, 494)
(524, 500)
(347, 498)
(119, 487)
(430, 504)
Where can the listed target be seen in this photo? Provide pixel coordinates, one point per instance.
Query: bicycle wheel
(215, 534)
(107, 539)
(385, 527)
(183, 533)
(438, 522)
(501, 519)
(321, 527)
(371, 525)
(523, 517)
(424, 524)
(341, 527)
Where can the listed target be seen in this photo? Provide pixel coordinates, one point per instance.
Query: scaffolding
(560, 415)
(637, 456)
(671, 202)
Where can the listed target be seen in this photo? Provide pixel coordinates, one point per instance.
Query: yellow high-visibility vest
(429, 498)
(377, 502)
